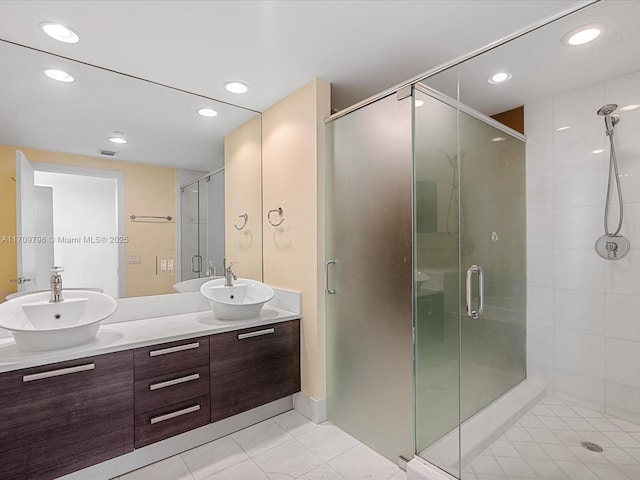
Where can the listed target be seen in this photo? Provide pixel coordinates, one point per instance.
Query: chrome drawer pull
(177, 413)
(256, 334)
(179, 348)
(57, 373)
(176, 381)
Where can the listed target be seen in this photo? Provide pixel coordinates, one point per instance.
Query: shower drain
(594, 447)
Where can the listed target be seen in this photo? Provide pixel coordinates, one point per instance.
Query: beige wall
(243, 194)
(148, 190)
(8, 250)
(293, 253)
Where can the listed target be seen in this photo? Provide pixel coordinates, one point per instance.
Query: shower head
(607, 109)
(610, 121)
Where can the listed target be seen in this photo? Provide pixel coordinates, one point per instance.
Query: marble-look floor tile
(261, 437)
(294, 423)
(362, 463)
(327, 441)
(246, 470)
(213, 457)
(172, 468)
(288, 460)
(402, 475)
(323, 472)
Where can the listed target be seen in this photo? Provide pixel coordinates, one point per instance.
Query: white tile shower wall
(583, 312)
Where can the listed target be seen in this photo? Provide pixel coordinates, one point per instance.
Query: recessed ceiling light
(499, 77)
(118, 137)
(560, 129)
(207, 112)
(236, 87)
(419, 103)
(599, 150)
(60, 32)
(628, 108)
(59, 75)
(498, 139)
(583, 35)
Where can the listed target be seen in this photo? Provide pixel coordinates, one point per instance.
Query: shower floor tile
(282, 448)
(546, 444)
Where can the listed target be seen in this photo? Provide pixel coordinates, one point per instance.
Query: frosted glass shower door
(368, 309)
(438, 227)
(469, 213)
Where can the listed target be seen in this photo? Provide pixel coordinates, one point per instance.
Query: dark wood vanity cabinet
(171, 389)
(62, 417)
(254, 366)
(59, 418)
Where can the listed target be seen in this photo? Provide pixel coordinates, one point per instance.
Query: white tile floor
(285, 447)
(545, 444)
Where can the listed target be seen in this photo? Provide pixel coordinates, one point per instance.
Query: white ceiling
(360, 46)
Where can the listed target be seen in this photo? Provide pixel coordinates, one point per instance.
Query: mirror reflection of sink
(421, 277)
(38, 325)
(192, 285)
(243, 300)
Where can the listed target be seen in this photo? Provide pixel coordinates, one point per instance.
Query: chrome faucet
(56, 284)
(211, 269)
(229, 276)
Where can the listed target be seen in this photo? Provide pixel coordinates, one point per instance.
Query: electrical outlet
(165, 264)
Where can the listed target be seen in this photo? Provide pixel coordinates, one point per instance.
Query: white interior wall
(43, 218)
(583, 322)
(84, 207)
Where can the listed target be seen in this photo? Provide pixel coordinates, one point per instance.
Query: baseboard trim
(180, 443)
(314, 410)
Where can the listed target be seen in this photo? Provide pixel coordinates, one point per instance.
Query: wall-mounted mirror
(130, 218)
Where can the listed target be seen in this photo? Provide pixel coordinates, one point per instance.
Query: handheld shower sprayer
(612, 245)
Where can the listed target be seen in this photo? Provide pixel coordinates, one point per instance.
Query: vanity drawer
(164, 358)
(157, 392)
(172, 420)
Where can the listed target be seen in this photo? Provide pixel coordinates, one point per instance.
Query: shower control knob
(612, 247)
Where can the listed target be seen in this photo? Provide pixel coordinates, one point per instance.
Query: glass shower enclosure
(425, 274)
(202, 227)
(470, 293)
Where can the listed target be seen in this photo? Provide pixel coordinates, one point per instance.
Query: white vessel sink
(192, 285)
(243, 300)
(38, 325)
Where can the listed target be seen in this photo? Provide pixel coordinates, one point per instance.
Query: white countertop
(114, 337)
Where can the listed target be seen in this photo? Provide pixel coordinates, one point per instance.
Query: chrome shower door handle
(328, 290)
(470, 311)
(198, 259)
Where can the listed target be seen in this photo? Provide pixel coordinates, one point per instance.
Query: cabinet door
(253, 366)
(66, 416)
